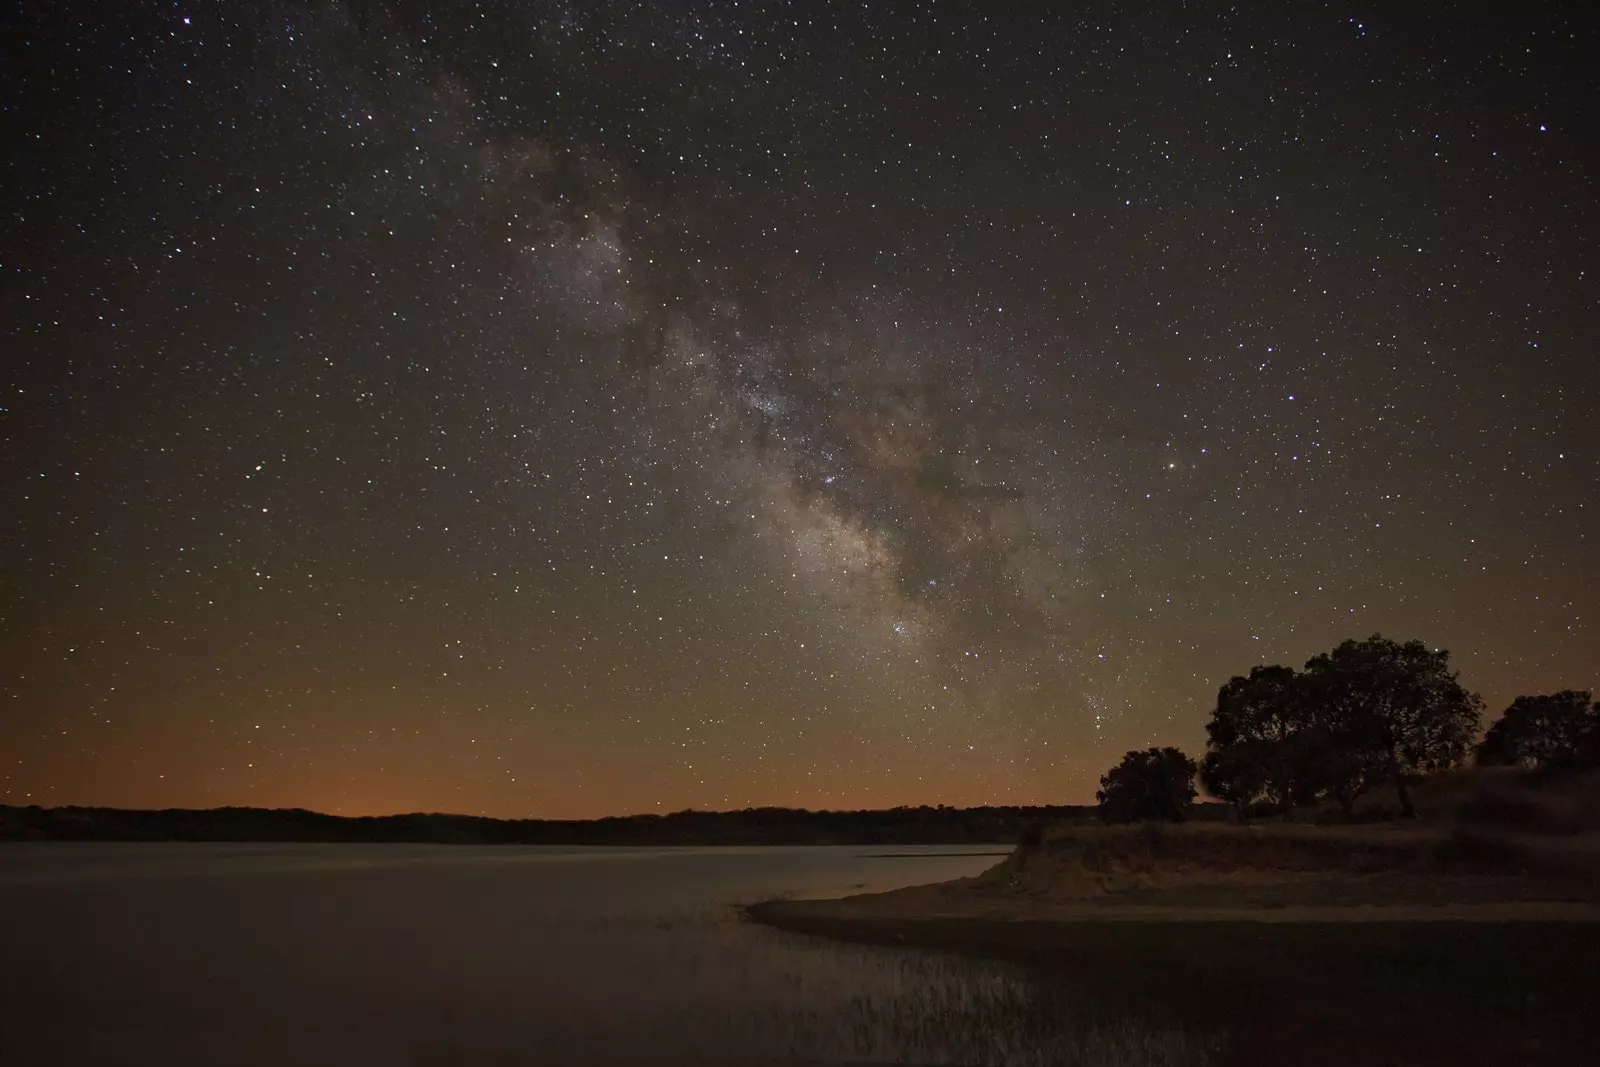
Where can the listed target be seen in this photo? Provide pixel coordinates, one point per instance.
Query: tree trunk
(1347, 801)
(1407, 811)
(1284, 799)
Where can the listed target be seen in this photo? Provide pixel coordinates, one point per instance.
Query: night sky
(573, 408)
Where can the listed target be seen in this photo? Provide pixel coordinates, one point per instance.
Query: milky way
(565, 409)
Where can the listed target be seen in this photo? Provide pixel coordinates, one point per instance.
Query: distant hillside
(753, 826)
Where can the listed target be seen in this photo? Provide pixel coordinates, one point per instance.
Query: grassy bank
(1494, 846)
(1269, 874)
(1469, 937)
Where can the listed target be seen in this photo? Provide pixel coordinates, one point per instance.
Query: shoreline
(1258, 875)
(814, 915)
(1401, 956)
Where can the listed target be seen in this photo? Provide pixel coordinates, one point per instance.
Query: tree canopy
(1550, 730)
(1255, 739)
(1399, 702)
(1155, 784)
(1367, 713)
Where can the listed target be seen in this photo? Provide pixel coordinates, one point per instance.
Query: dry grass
(1554, 803)
(1548, 802)
(1109, 856)
(1187, 869)
(1484, 836)
(1457, 865)
(1464, 937)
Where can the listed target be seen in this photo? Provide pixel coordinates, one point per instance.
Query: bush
(1153, 784)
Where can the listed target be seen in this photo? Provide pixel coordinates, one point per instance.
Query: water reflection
(312, 954)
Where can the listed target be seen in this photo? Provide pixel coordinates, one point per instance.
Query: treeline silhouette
(1370, 715)
(753, 826)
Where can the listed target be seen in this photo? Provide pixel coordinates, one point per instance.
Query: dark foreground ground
(1440, 992)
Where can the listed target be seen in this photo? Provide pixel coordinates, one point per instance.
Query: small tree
(1398, 703)
(1153, 784)
(1554, 729)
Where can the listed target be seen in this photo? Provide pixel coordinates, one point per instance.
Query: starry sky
(573, 408)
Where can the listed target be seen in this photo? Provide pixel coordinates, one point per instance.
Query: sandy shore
(946, 904)
(1226, 875)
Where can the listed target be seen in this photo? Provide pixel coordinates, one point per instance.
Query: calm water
(349, 954)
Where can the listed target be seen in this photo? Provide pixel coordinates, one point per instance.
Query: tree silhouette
(1398, 703)
(1256, 741)
(1153, 784)
(1235, 774)
(1554, 729)
(1338, 761)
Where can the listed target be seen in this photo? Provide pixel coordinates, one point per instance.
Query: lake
(419, 954)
